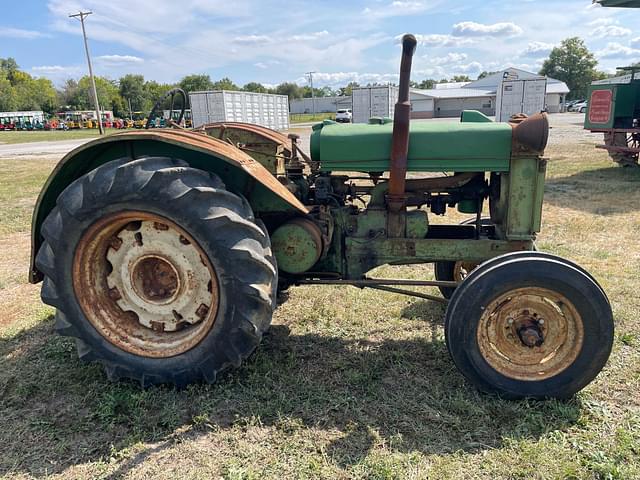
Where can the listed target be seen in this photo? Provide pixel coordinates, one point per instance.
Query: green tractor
(614, 107)
(164, 251)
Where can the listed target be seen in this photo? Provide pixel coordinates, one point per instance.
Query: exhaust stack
(396, 198)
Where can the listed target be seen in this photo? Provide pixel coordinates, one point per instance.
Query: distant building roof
(453, 92)
(487, 86)
(442, 86)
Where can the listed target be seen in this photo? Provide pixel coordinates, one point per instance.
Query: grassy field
(310, 117)
(51, 136)
(347, 384)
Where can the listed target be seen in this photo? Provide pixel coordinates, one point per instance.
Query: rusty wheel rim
(530, 334)
(462, 269)
(145, 284)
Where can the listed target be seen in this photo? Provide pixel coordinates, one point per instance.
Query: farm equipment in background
(74, 121)
(107, 121)
(614, 110)
(139, 119)
(614, 107)
(163, 251)
(7, 124)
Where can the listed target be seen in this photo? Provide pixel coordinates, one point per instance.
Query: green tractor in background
(614, 107)
(163, 251)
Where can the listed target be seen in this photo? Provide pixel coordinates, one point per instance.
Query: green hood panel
(433, 147)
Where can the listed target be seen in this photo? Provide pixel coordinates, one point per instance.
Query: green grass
(50, 136)
(310, 117)
(348, 383)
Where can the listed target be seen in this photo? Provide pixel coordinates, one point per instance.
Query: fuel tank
(433, 146)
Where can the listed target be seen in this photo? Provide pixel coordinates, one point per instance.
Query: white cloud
(472, 67)
(598, 22)
(441, 40)
(51, 68)
(473, 29)
(59, 73)
(635, 42)
(342, 78)
(116, 60)
(308, 36)
(617, 50)
(396, 9)
(267, 64)
(448, 59)
(252, 39)
(537, 48)
(608, 31)
(8, 32)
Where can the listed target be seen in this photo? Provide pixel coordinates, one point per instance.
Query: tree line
(570, 62)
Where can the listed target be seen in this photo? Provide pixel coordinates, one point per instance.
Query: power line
(81, 16)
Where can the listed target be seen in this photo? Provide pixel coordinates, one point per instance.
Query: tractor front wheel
(529, 325)
(158, 271)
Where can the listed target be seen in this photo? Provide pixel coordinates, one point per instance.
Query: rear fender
(241, 173)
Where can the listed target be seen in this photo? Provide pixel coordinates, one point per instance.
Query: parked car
(575, 105)
(580, 107)
(344, 115)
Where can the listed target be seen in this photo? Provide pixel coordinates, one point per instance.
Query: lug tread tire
(219, 220)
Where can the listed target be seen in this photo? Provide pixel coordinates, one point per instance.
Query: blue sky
(276, 41)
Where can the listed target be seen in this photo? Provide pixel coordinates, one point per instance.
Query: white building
(449, 100)
(322, 104)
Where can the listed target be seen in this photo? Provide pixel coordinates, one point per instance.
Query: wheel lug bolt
(541, 321)
(510, 321)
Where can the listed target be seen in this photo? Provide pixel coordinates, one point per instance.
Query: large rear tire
(529, 326)
(159, 272)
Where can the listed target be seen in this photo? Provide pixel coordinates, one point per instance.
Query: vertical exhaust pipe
(396, 196)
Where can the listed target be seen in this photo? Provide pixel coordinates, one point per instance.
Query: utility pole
(313, 96)
(81, 16)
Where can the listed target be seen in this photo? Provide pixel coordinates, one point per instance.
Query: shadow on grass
(58, 412)
(602, 191)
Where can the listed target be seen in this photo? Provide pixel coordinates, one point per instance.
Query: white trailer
(515, 96)
(32, 115)
(264, 109)
(373, 102)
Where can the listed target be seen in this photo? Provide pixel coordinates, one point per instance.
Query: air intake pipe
(396, 197)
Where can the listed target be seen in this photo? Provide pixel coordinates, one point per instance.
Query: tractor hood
(469, 146)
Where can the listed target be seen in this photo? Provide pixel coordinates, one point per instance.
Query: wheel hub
(145, 284)
(155, 279)
(530, 333)
(158, 275)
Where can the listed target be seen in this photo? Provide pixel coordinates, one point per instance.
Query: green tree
(195, 83)
(572, 63)
(289, 89)
(33, 93)
(348, 90)
(69, 94)
(317, 92)
(8, 100)
(108, 95)
(154, 91)
(485, 74)
(461, 78)
(427, 84)
(132, 90)
(225, 84)
(254, 87)
(9, 66)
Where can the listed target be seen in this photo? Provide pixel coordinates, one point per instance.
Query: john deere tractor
(163, 251)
